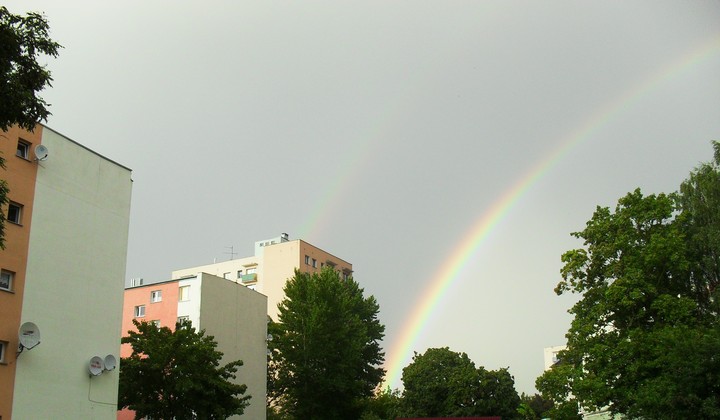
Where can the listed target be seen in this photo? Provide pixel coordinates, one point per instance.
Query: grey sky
(383, 131)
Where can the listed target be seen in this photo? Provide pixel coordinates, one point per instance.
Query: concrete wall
(237, 317)
(74, 288)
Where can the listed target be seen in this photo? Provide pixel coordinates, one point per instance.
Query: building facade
(274, 262)
(62, 270)
(233, 314)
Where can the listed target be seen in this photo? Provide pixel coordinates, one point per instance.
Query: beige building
(274, 262)
(62, 271)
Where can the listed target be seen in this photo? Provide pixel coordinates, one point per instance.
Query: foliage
(22, 40)
(444, 383)
(534, 407)
(326, 353)
(177, 374)
(4, 200)
(645, 333)
(384, 405)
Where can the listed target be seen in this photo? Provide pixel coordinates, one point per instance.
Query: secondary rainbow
(401, 352)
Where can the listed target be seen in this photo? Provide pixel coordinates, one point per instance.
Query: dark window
(23, 149)
(14, 213)
(6, 280)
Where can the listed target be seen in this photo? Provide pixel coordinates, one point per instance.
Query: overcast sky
(383, 132)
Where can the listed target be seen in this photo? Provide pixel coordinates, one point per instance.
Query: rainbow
(401, 352)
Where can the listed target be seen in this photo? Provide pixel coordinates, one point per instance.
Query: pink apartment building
(235, 315)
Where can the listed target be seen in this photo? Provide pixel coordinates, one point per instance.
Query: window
(182, 319)
(156, 296)
(239, 274)
(184, 293)
(3, 347)
(139, 311)
(23, 149)
(155, 322)
(226, 275)
(252, 270)
(6, 280)
(314, 263)
(14, 213)
(307, 260)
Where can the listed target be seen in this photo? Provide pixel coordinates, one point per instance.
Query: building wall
(237, 317)
(233, 314)
(74, 288)
(280, 262)
(164, 311)
(20, 175)
(275, 261)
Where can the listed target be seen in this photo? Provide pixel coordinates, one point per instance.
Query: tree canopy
(444, 383)
(23, 39)
(177, 375)
(645, 335)
(326, 353)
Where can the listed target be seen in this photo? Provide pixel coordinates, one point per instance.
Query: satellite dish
(41, 152)
(29, 335)
(110, 362)
(96, 366)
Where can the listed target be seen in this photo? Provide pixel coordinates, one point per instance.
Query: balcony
(248, 278)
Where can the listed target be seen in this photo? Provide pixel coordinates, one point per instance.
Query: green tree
(177, 375)
(534, 407)
(384, 405)
(22, 40)
(442, 382)
(645, 333)
(326, 353)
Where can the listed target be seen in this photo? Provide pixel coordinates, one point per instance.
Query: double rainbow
(401, 351)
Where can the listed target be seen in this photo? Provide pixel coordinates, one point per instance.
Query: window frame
(11, 276)
(15, 220)
(180, 293)
(4, 345)
(23, 149)
(156, 296)
(137, 311)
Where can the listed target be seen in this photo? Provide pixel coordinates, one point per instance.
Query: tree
(177, 375)
(645, 333)
(384, 405)
(534, 407)
(326, 351)
(444, 383)
(22, 40)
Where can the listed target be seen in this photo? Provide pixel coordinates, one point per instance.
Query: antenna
(96, 366)
(232, 254)
(29, 336)
(41, 152)
(110, 362)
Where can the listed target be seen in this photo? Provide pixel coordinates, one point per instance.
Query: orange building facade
(16, 146)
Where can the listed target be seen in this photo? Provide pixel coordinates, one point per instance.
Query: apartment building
(273, 263)
(62, 273)
(233, 314)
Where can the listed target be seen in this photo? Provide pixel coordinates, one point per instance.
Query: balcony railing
(248, 278)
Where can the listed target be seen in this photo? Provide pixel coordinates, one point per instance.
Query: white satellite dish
(29, 336)
(41, 152)
(110, 362)
(96, 366)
